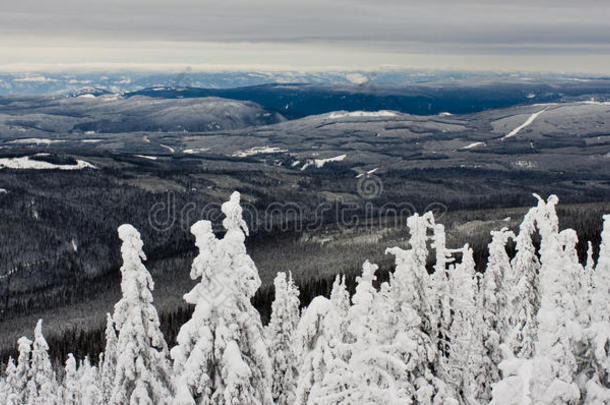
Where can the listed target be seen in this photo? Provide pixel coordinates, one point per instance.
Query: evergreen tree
(71, 390)
(522, 289)
(221, 357)
(18, 393)
(91, 394)
(109, 360)
(7, 396)
(314, 350)
(142, 369)
(42, 386)
(492, 317)
(597, 386)
(280, 339)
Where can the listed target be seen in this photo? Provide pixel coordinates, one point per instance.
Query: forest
(530, 327)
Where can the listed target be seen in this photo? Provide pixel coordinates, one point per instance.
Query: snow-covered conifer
(555, 363)
(465, 344)
(221, 356)
(42, 386)
(280, 333)
(71, 394)
(314, 352)
(109, 359)
(9, 382)
(142, 369)
(492, 308)
(521, 286)
(90, 392)
(597, 387)
(18, 393)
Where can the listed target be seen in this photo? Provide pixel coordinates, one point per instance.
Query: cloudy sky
(547, 35)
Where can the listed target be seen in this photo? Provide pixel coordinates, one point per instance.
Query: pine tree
(280, 339)
(413, 321)
(522, 286)
(142, 369)
(90, 392)
(9, 383)
(365, 371)
(314, 351)
(18, 393)
(465, 342)
(42, 386)
(109, 360)
(71, 394)
(492, 309)
(221, 357)
(597, 387)
(555, 363)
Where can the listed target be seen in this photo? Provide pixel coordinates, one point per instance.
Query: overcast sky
(557, 35)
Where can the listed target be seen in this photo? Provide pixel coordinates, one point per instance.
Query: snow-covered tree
(492, 308)
(90, 392)
(42, 386)
(142, 368)
(521, 287)
(548, 377)
(314, 352)
(280, 333)
(465, 342)
(364, 371)
(18, 393)
(221, 357)
(9, 383)
(108, 360)
(598, 385)
(71, 390)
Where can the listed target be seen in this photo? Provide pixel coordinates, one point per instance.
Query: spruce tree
(142, 368)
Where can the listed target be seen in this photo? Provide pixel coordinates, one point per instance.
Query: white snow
(89, 132)
(445, 114)
(26, 163)
(367, 172)
(91, 140)
(146, 157)
(593, 102)
(37, 141)
(295, 163)
(474, 145)
(90, 96)
(319, 163)
(527, 123)
(258, 150)
(368, 114)
(145, 139)
(195, 150)
(3, 191)
(169, 148)
(526, 164)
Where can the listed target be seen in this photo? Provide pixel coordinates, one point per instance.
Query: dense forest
(530, 327)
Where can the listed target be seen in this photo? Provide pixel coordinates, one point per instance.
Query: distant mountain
(301, 100)
(100, 112)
